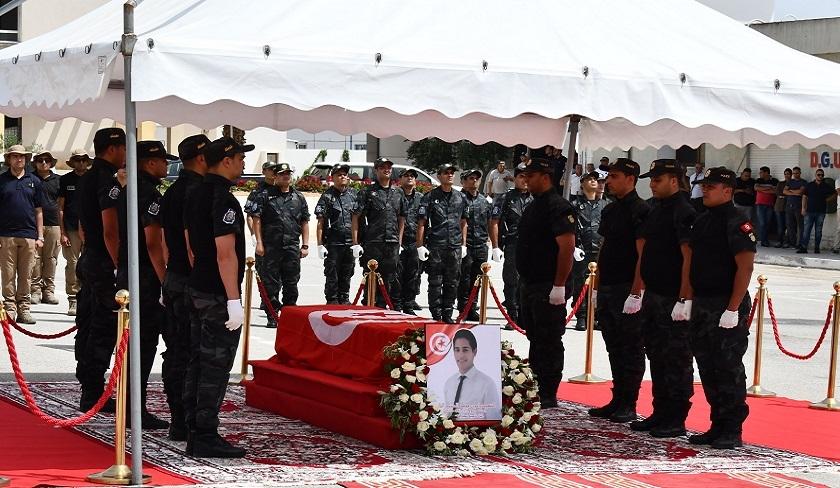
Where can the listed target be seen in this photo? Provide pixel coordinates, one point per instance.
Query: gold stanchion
(119, 473)
(756, 390)
(830, 402)
(485, 288)
(587, 377)
(371, 283)
(246, 324)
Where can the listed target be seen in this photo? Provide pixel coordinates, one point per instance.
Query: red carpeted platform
(33, 453)
(778, 422)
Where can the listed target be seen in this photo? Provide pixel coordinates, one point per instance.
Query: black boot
(706, 437)
(214, 446)
(473, 315)
(415, 305)
(408, 311)
(727, 440)
(673, 425)
(178, 425)
(446, 316)
(624, 413)
(149, 421)
(648, 423)
(604, 411)
(91, 395)
(436, 315)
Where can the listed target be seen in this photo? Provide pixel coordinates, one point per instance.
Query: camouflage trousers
(510, 277)
(338, 270)
(176, 336)
(96, 321)
(470, 269)
(386, 255)
(211, 358)
(444, 270)
(719, 353)
(622, 335)
(281, 271)
(544, 325)
(407, 284)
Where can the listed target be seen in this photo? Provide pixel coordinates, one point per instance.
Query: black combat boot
(606, 410)
(648, 423)
(178, 425)
(706, 437)
(446, 316)
(673, 424)
(727, 440)
(91, 395)
(212, 445)
(473, 315)
(624, 413)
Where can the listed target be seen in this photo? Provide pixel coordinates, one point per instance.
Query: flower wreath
(408, 408)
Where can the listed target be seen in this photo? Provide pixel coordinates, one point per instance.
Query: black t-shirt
(97, 191)
(282, 215)
(172, 220)
(148, 206)
(51, 186)
(747, 199)
(478, 216)
(508, 209)
(67, 184)
(668, 225)
(412, 206)
(442, 213)
(817, 193)
(546, 218)
(212, 211)
(19, 197)
(719, 234)
(379, 210)
(622, 222)
(336, 208)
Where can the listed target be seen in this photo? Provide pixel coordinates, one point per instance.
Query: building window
(8, 27)
(360, 147)
(11, 132)
(301, 145)
(272, 157)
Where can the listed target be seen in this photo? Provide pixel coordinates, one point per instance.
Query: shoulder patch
(154, 208)
(229, 217)
(571, 218)
(114, 193)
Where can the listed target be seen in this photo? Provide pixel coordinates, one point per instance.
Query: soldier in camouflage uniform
(264, 189)
(723, 250)
(334, 212)
(588, 207)
(442, 224)
(281, 225)
(408, 282)
(478, 217)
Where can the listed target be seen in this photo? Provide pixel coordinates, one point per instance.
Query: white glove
(557, 295)
(236, 316)
(594, 298)
(322, 252)
(498, 255)
(253, 240)
(632, 305)
(681, 311)
(463, 252)
(422, 253)
(357, 251)
(579, 254)
(729, 319)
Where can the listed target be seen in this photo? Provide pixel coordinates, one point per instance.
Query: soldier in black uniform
(588, 206)
(544, 262)
(504, 231)
(442, 242)
(281, 225)
(666, 306)
(408, 275)
(152, 161)
(176, 329)
(96, 321)
(264, 187)
(723, 249)
(479, 210)
(334, 212)
(380, 211)
(216, 239)
(622, 222)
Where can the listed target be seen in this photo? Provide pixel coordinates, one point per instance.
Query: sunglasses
(42, 160)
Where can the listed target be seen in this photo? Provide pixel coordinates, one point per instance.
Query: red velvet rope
(470, 302)
(384, 292)
(361, 289)
(42, 336)
(264, 296)
(30, 400)
(752, 311)
(513, 324)
(779, 340)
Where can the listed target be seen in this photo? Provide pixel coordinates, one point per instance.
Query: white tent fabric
(652, 73)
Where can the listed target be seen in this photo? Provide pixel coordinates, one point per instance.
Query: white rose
(490, 440)
(511, 411)
(433, 421)
(409, 366)
(410, 378)
(404, 398)
(422, 405)
(519, 378)
(532, 393)
(507, 390)
(506, 444)
(516, 437)
(423, 415)
(517, 399)
(406, 356)
(416, 398)
(457, 438)
(395, 373)
(422, 426)
(463, 452)
(507, 420)
(448, 424)
(526, 417)
(414, 348)
(476, 444)
(395, 388)
(482, 452)
(420, 375)
(439, 446)
(514, 364)
(536, 428)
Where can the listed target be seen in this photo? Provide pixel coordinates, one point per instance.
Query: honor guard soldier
(97, 194)
(723, 249)
(334, 212)
(442, 242)
(216, 239)
(71, 240)
(544, 262)
(380, 217)
(281, 225)
(588, 207)
(408, 275)
(622, 222)
(504, 232)
(152, 163)
(478, 218)
(266, 186)
(666, 306)
(176, 329)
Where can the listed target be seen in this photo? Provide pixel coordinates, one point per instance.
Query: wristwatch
(305, 246)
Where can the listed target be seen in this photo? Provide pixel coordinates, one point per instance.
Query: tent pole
(128, 41)
(574, 122)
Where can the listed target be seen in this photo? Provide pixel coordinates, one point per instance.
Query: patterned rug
(289, 452)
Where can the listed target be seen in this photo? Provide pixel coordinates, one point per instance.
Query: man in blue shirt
(21, 232)
(814, 204)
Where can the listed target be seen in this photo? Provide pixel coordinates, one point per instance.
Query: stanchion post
(587, 377)
(830, 402)
(756, 390)
(119, 473)
(246, 325)
(371, 283)
(485, 289)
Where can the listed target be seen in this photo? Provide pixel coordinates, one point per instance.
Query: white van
(364, 171)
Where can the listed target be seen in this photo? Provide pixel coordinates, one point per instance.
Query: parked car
(175, 167)
(364, 171)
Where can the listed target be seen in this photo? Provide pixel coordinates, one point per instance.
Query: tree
(432, 152)
(345, 156)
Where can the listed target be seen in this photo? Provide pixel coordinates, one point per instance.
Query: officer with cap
(266, 186)
(479, 210)
(666, 306)
(544, 262)
(152, 161)
(334, 212)
(380, 216)
(723, 249)
(71, 241)
(504, 231)
(442, 242)
(98, 193)
(176, 328)
(42, 289)
(281, 225)
(588, 207)
(215, 229)
(622, 222)
(408, 275)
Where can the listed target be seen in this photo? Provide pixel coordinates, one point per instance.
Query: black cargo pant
(622, 335)
(281, 271)
(544, 325)
(407, 284)
(338, 270)
(470, 269)
(510, 277)
(211, 357)
(444, 270)
(669, 352)
(580, 270)
(387, 255)
(176, 336)
(719, 353)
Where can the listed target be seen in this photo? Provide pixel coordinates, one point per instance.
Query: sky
(748, 11)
